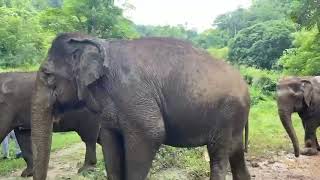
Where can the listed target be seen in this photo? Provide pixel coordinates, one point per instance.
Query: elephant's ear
(90, 63)
(7, 87)
(307, 91)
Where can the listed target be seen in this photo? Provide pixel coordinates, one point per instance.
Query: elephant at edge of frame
(15, 101)
(301, 95)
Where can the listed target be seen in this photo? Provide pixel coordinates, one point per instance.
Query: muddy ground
(65, 163)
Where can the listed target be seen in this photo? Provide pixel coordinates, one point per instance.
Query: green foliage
(220, 53)
(307, 13)
(262, 83)
(262, 44)
(260, 11)
(190, 159)
(232, 22)
(57, 20)
(212, 38)
(22, 40)
(304, 58)
(179, 32)
(27, 27)
(101, 18)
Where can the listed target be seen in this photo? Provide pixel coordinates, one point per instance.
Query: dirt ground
(281, 166)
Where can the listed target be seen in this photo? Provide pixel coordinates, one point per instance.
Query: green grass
(20, 69)
(60, 140)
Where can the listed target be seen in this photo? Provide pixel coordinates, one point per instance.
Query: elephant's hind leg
(237, 162)
(218, 149)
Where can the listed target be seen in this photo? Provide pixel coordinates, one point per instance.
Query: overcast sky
(197, 14)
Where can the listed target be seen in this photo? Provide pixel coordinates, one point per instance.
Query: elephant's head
(74, 63)
(293, 95)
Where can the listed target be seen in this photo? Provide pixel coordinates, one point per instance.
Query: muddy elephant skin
(301, 95)
(147, 92)
(15, 101)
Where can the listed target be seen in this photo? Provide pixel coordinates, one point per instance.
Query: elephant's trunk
(41, 129)
(285, 117)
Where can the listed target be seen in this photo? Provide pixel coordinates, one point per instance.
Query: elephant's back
(178, 67)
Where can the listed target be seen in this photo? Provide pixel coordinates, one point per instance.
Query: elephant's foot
(27, 172)
(87, 167)
(309, 151)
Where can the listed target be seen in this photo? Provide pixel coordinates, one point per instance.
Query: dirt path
(64, 164)
(286, 167)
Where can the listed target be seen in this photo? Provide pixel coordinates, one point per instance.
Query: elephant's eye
(51, 80)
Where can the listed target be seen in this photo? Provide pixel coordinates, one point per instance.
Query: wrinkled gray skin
(148, 92)
(301, 95)
(15, 101)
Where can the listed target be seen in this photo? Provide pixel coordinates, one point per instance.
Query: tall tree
(167, 31)
(262, 44)
(307, 13)
(22, 40)
(260, 11)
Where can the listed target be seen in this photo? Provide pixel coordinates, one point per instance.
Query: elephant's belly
(187, 136)
(190, 142)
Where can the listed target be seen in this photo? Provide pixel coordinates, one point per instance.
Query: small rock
(255, 164)
(272, 161)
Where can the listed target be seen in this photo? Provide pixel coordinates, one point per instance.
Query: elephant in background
(301, 95)
(147, 92)
(15, 101)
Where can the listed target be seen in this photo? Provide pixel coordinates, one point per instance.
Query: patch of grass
(20, 69)
(64, 140)
(220, 53)
(60, 140)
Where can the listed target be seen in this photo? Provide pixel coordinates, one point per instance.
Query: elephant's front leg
(113, 153)
(139, 153)
(24, 140)
(311, 144)
(90, 158)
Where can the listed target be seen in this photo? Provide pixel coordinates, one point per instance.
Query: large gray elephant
(15, 101)
(148, 92)
(301, 95)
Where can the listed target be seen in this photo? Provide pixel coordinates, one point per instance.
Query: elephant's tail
(246, 137)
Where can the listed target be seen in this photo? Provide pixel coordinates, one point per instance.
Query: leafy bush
(262, 83)
(220, 53)
(304, 58)
(22, 40)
